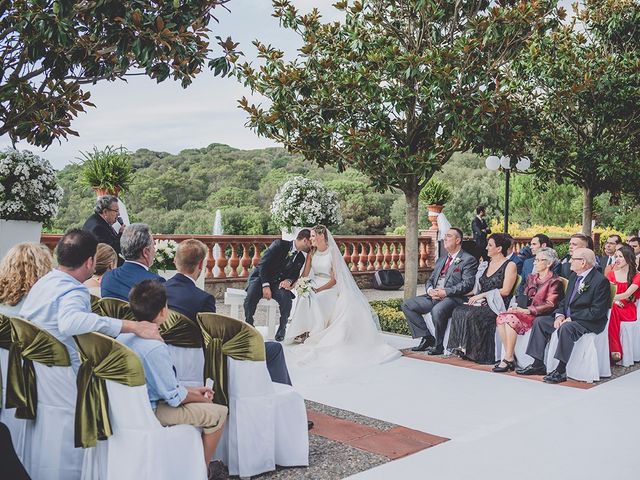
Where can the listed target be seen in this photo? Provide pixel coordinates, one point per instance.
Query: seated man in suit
(610, 247)
(105, 214)
(184, 296)
(582, 310)
(139, 251)
(172, 403)
(453, 276)
(512, 256)
(577, 240)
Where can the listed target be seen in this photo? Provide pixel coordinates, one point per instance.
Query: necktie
(576, 287)
(446, 265)
(610, 261)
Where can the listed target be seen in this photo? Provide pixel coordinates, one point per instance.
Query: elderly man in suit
(139, 251)
(105, 214)
(185, 297)
(453, 276)
(274, 276)
(582, 310)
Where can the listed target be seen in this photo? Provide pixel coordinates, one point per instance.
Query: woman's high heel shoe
(508, 366)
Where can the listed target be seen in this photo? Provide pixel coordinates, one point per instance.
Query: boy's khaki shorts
(209, 416)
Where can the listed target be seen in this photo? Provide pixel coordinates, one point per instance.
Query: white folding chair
(432, 330)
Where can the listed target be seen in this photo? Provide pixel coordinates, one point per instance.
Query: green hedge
(391, 317)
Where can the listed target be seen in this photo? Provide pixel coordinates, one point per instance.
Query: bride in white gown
(334, 319)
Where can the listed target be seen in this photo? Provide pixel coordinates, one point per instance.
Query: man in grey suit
(453, 276)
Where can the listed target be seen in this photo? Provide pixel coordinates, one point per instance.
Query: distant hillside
(180, 193)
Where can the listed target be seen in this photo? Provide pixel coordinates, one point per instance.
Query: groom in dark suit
(275, 275)
(453, 276)
(582, 310)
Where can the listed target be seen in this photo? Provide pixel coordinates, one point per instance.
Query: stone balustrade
(239, 253)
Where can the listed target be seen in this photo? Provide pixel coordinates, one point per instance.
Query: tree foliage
(581, 86)
(49, 49)
(393, 90)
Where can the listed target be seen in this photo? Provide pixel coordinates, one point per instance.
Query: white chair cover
(140, 448)
(432, 329)
(630, 340)
(189, 363)
(50, 452)
(589, 359)
(17, 426)
(267, 424)
(520, 352)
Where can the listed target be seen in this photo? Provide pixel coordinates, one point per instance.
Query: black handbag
(523, 301)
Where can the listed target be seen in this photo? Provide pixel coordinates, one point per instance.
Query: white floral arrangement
(165, 253)
(304, 202)
(29, 188)
(303, 287)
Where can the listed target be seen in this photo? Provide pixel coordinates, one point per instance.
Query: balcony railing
(237, 254)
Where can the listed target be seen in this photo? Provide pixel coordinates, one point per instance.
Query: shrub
(109, 169)
(28, 187)
(391, 317)
(435, 192)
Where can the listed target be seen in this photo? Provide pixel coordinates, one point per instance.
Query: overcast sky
(166, 117)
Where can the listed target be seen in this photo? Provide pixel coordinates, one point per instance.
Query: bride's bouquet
(303, 287)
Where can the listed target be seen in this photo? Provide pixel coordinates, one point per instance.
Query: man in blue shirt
(173, 403)
(61, 304)
(139, 251)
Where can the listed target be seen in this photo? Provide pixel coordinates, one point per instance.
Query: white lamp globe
(523, 164)
(492, 162)
(505, 162)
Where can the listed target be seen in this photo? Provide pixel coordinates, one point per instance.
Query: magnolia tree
(579, 87)
(29, 189)
(50, 49)
(393, 90)
(301, 202)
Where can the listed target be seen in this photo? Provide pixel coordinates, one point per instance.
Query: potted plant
(435, 194)
(303, 202)
(29, 197)
(107, 171)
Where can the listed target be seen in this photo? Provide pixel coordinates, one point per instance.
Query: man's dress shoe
(532, 370)
(555, 377)
(425, 343)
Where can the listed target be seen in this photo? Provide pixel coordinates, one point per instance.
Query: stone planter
(101, 192)
(13, 232)
(434, 211)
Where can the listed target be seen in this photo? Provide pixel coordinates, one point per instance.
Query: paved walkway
(546, 431)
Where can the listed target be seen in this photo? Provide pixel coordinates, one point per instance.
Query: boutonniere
(457, 261)
(289, 254)
(583, 288)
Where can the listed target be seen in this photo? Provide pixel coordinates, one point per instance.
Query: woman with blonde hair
(23, 265)
(106, 259)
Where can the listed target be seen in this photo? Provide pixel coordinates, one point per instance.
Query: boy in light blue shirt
(173, 403)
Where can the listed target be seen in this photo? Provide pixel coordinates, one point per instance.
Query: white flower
(302, 201)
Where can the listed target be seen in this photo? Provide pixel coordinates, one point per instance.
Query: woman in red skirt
(542, 293)
(627, 281)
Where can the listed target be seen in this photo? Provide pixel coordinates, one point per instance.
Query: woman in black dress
(473, 325)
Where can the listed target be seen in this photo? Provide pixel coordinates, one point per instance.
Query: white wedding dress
(343, 329)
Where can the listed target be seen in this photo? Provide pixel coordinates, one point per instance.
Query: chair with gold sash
(42, 387)
(17, 426)
(115, 424)
(589, 360)
(114, 308)
(267, 424)
(182, 336)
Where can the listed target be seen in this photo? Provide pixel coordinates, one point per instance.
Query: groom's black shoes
(435, 351)
(280, 334)
(425, 343)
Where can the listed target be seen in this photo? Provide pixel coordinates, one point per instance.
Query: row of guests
(137, 246)
(58, 301)
(476, 299)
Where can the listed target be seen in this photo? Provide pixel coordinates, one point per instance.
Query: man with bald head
(453, 276)
(583, 310)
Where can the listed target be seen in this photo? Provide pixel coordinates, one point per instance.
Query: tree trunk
(587, 210)
(411, 247)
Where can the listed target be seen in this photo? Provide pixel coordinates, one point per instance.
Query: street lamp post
(506, 165)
